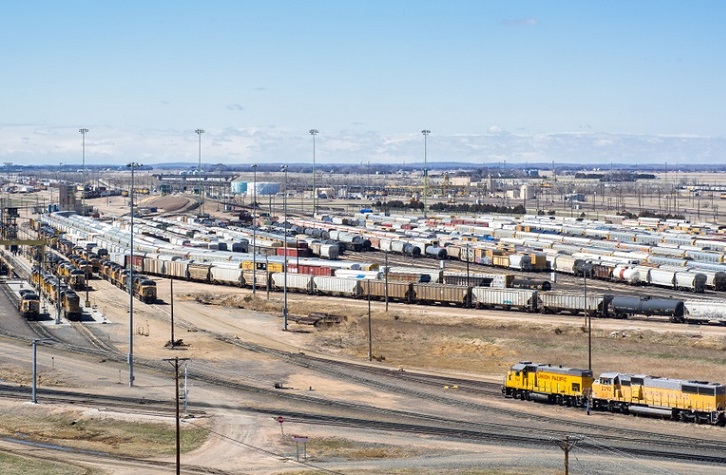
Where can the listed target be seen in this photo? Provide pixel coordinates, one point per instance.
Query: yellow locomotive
(676, 399)
(144, 289)
(59, 293)
(547, 383)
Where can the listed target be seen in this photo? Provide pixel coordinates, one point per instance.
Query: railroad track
(564, 281)
(652, 446)
(391, 383)
(352, 372)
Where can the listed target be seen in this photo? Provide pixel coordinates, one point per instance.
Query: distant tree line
(651, 214)
(615, 176)
(462, 208)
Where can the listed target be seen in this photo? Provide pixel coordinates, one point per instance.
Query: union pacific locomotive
(638, 394)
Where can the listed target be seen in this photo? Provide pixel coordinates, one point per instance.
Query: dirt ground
(447, 340)
(453, 341)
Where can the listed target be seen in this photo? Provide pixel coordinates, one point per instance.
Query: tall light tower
(254, 228)
(284, 241)
(199, 132)
(83, 192)
(425, 133)
(133, 166)
(314, 132)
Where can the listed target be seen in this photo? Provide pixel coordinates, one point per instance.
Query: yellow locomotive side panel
(660, 397)
(558, 383)
(547, 383)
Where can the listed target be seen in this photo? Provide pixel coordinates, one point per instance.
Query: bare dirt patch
(168, 203)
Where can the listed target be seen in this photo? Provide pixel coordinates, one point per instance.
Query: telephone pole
(567, 445)
(175, 362)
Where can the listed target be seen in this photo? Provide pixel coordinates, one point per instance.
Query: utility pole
(589, 324)
(199, 132)
(175, 362)
(313, 133)
(83, 180)
(284, 229)
(254, 228)
(385, 273)
(171, 300)
(35, 372)
(425, 133)
(567, 445)
(370, 326)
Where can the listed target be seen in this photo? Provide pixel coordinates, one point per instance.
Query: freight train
(318, 276)
(638, 394)
(679, 265)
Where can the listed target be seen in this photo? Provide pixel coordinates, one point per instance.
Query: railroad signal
(280, 419)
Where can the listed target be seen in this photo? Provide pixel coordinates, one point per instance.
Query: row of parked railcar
(482, 244)
(231, 273)
(58, 292)
(673, 277)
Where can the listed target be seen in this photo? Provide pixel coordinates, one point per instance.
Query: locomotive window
(720, 389)
(607, 381)
(638, 381)
(625, 382)
(689, 389)
(575, 387)
(707, 391)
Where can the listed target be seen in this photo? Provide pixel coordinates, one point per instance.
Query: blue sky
(525, 81)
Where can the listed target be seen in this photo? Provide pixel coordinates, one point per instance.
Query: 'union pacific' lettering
(552, 377)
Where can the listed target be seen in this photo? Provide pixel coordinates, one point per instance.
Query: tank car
(527, 283)
(623, 306)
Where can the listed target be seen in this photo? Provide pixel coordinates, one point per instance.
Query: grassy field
(104, 434)
(12, 464)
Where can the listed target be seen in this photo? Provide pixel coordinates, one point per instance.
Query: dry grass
(12, 464)
(20, 375)
(329, 448)
(257, 303)
(438, 471)
(422, 338)
(103, 434)
(490, 346)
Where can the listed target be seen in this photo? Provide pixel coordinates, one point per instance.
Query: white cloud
(104, 145)
(521, 22)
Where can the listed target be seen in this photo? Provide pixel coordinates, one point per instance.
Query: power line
(265, 451)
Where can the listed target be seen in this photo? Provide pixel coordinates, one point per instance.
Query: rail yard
(454, 304)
